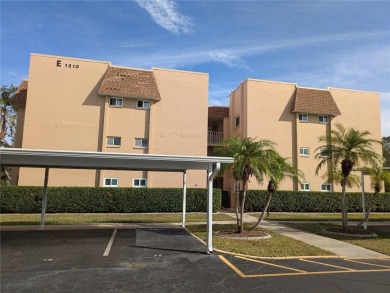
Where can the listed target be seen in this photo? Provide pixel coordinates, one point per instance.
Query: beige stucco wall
(178, 123)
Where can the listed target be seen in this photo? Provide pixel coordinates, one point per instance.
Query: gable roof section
(20, 96)
(314, 101)
(129, 83)
(215, 111)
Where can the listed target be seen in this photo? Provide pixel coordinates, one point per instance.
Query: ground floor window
(139, 182)
(305, 186)
(326, 187)
(111, 182)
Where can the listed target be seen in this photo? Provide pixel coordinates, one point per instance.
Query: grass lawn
(380, 244)
(73, 219)
(276, 246)
(321, 216)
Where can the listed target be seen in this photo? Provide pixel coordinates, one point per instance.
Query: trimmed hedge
(298, 201)
(26, 199)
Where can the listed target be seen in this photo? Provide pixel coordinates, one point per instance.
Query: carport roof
(105, 161)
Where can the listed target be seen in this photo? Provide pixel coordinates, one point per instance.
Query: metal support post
(183, 224)
(44, 199)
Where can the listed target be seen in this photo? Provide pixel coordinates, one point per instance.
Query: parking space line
(325, 264)
(366, 263)
(271, 264)
(108, 248)
(233, 267)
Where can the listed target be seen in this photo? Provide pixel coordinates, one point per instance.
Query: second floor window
(303, 117)
(143, 104)
(323, 119)
(141, 143)
(113, 141)
(236, 121)
(304, 152)
(116, 102)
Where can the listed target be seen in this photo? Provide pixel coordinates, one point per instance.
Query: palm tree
(251, 158)
(377, 177)
(279, 169)
(348, 148)
(7, 114)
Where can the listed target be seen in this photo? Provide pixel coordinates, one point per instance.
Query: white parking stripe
(108, 248)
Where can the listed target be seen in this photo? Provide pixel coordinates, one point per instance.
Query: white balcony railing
(215, 137)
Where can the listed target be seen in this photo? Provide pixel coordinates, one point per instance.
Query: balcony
(214, 137)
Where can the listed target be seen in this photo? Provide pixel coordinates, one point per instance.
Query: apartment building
(294, 117)
(88, 105)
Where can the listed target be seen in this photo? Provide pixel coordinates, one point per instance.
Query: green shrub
(298, 201)
(25, 199)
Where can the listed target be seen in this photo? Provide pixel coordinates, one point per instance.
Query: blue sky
(344, 44)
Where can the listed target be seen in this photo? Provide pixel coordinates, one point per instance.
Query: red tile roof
(314, 101)
(215, 111)
(129, 83)
(20, 96)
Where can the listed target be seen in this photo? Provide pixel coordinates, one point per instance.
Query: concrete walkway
(340, 248)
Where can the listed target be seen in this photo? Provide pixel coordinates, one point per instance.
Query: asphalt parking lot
(166, 260)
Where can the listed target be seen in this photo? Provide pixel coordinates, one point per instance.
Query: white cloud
(165, 14)
(228, 58)
(385, 113)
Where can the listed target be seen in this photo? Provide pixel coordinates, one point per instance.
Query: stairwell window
(304, 152)
(303, 117)
(236, 121)
(326, 187)
(143, 104)
(323, 119)
(113, 141)
(116, 102)
(305, 186)
(111, 182)
(139, 182)
(141, 143)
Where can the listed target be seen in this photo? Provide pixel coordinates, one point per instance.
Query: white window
(116, 102)
(305, 186)
(143, 104)
(304, 152)
(303, 117)
(139, 182)
(111, 182)
(141, 143)
(113, 141)
(323, 119)
(236, 121)
(326, 187)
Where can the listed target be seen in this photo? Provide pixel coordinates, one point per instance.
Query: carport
(47, 159)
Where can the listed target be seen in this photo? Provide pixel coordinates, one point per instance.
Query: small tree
(377, 177)
(279, 169)
(251, 158)
(348, 148)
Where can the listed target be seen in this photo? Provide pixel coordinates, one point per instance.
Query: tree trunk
(369, 209)
(242, 205)
(237, 196)
(261, 218)
(343, 206)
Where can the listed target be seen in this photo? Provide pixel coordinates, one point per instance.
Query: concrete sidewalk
(338, 247)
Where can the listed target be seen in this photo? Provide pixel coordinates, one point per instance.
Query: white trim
(110, 185)
(140, 186)
(304, 188)
(326, 190)
(302, 154)
(303, 114)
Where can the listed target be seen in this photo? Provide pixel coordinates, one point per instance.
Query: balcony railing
(215, 137)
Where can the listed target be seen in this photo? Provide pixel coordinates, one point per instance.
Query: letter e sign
(58, 63)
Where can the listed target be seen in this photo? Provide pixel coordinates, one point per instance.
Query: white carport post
(210, 177)
(44, 199)
(183, 224)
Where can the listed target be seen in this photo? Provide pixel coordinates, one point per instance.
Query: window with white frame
(305, 186)
(236, 121)
(141, 143)
(111, 182)
(143, 104)
(323, 119)
(304, 152)
(113, 141)
(326, 187)
(139, 182)
(303, 117)
(116, 102)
